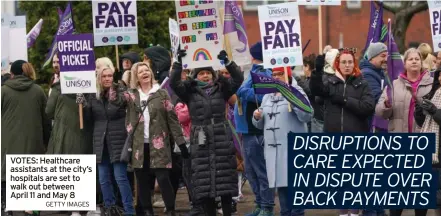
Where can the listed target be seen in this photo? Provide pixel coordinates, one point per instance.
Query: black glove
(320, 63)
(184, 151)
(181, 53)
(223, 56)
(429, 107)
(338, 99)
(80, 99)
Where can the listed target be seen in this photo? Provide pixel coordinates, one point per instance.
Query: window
(18, 12)
(354, 4)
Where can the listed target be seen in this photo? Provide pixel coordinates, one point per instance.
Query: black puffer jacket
(213, 162)
(109, 124)
(356, 103)
(160, 61)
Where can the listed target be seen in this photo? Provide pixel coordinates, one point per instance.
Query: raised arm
(316, 85)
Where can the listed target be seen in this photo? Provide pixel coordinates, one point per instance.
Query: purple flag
(375, 25)
(395, 65)
(233, 22)
(60, 14)
(166, 85)
(266, 85)
(33, 34)
(65, 27)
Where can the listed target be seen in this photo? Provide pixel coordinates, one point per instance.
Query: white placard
(114, 22)
(50, 182)
(174, 36)
(5, 42)
(280, 34)
(18, 43)
(435, 23)
(200, 33)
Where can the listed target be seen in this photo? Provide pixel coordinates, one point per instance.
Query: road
(182, 206)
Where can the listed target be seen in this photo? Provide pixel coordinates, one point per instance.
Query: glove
(223, 57)
(181, 53)
(80, 99)
(338, 99)
(184, 151)
(320, 63)
(429, 107)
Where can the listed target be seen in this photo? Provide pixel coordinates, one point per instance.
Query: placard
(5, 42)
(174, 36)
(18, 44)
(280, 34)
(77, 63)
(435, 23)
(200, 33)
(114, 22)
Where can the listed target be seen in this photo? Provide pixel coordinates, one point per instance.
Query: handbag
(126, 154)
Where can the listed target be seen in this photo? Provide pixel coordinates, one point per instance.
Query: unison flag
(233, 22)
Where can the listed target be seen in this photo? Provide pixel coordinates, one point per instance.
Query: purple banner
(233, 22)
(75, 52)
(375, 24)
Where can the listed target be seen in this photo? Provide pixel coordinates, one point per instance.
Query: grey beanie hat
(375, 49)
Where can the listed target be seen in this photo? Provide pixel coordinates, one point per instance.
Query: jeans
(255, 170)
(372, 212)
(120, 173)
(286, 206)
(316, 126)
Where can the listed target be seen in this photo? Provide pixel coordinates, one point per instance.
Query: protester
(425, 50)
(108, 111)
(428, 117)
(348, 99)
(373, 72)
(438, 60)
(25, 126)
(252, 137)
(127, 61)
(316, 126)
(410, 87)
(429, 64)
(159, 59)
(273, 117)
(56, 67)
(151, 146)
(213, 168)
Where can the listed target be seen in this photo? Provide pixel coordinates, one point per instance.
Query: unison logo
(277, 11)
(77, 82)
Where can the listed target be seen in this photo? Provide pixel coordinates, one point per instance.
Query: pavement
(182, 207)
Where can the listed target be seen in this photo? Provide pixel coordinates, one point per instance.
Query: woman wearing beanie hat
(274, 118)
(213, 162)
(25, 126)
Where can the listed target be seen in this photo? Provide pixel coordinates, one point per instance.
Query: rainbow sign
(201, 54)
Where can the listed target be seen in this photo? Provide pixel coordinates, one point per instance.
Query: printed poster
(5, 42)
(435, 23)
(174, 36)
(114, 22)
(200, 33)
(280, 35)
(77, 63)
(18, 42)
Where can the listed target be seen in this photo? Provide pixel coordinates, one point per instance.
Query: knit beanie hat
(17, 67)
(281, 69)
(375, 49)
(197, 70)
(329, 61)
(256, 51)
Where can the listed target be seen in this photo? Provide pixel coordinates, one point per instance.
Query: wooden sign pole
(80, 111)
(320, 33)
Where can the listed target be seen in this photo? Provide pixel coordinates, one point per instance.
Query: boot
(170, 213)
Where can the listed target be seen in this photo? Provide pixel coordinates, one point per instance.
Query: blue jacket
(375, 78)
(246, 95)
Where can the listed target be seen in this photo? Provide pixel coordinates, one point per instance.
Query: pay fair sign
(77, 63)
(280, 32)
(435, 23)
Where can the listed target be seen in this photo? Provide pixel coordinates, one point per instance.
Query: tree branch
(421, 6)
(387, 7)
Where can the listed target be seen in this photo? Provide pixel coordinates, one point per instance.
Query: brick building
(345, 25)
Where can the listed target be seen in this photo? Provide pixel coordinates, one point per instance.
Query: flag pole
(287, 81)
(320, 29)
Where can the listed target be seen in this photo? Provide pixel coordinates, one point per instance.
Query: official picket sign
(114, 22)
(77, 63)
(280, 33)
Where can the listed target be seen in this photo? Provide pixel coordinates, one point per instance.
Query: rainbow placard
(200, 33)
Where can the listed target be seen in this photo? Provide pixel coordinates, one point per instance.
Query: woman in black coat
(108, 111)
(213, 155)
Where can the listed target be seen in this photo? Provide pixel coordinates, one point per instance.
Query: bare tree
(403, 15)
